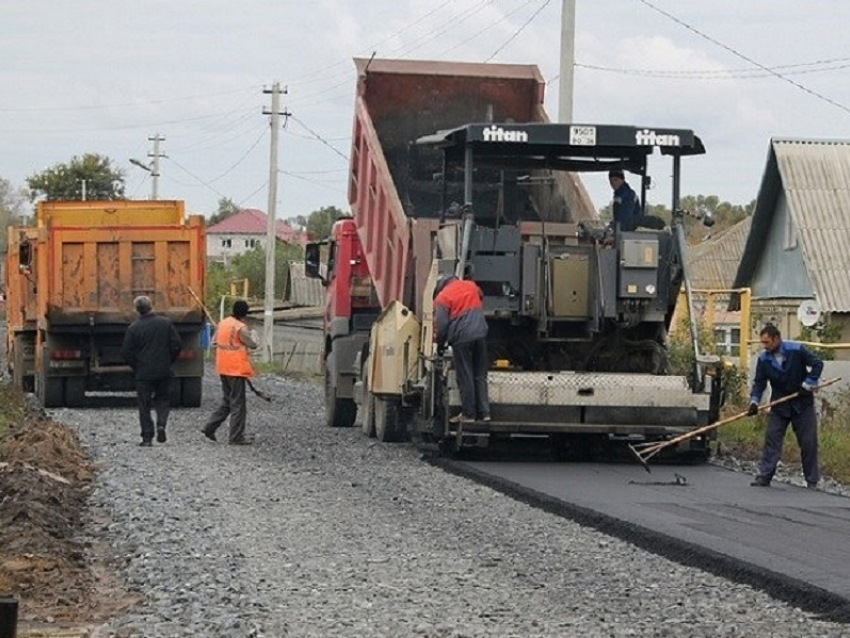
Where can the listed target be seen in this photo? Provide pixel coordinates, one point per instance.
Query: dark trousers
(233, 404)
(156, 395)
(471, 365)
(805, 427)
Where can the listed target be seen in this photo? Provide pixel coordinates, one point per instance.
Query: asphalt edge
(824, 604)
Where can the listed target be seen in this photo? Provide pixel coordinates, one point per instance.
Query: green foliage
(217, 284)
(252, 266)
(724, 213)
(65, 181)
(319, 223)
(822, 332)
(12, 211)
(226, 208)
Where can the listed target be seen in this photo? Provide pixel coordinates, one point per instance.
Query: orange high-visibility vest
(231, 358)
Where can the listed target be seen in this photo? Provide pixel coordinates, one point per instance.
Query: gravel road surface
(316, 532)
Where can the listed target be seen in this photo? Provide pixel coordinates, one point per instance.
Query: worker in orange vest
(232, 340)
(460, 323)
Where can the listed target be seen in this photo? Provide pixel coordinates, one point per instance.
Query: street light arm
(140, 164)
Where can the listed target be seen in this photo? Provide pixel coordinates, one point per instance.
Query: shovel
(642, 452)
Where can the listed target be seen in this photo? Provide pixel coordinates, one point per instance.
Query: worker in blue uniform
(790, 368)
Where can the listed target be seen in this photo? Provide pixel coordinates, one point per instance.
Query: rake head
(640, 458)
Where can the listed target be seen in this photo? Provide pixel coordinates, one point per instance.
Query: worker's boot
(761, 481)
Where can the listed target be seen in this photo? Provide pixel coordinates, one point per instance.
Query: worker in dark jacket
(459, 322)
(151, 345)
(790, 368)
(626, 208)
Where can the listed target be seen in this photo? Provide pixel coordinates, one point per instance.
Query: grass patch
(745, 438)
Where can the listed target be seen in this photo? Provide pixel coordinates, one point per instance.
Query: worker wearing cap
(231, 341)
(459, 322)
(790, 368)
(626, 208)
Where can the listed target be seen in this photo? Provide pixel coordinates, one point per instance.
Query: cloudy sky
(104, 76)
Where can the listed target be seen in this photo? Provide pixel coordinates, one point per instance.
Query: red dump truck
(71, 280)
(456, 169)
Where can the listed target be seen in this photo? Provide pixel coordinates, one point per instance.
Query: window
(225, 243)
(727, 340)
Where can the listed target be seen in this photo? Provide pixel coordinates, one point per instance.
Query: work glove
(753, 409)
(808, 387)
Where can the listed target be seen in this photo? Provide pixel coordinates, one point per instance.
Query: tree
(319, 222)
(226, 208)
(12, 210)
(252, 266)
(102, 180)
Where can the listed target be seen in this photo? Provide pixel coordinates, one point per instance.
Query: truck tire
(368, 420)
(190, 392)
(174, 394)
(50, 391)
(22, 381)
(391, 420)
(75, 392)
(339, 413)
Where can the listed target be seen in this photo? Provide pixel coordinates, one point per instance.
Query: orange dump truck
(70, 284)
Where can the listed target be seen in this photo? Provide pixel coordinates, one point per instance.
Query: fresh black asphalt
(791, 542)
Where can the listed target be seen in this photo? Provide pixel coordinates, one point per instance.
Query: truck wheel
(368, 424)
(22, 381)
(391, 420)
(191, 392)
(50, 391)
(75, 392)
(339, 413)
(174, 395)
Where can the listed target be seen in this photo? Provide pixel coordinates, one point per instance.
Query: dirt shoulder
(45, 563)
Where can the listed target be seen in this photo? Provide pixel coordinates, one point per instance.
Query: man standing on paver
(790, 368)
(151, 345)
(232, 340)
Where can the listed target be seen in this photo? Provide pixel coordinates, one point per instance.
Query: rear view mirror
(312, 261)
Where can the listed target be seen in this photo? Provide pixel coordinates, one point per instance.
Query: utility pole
(568, 58)
(83, 189)
(271, 235)
(156, 139)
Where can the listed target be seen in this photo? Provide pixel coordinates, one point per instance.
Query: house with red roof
(245, 231)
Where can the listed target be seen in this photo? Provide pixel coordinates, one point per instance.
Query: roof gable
(713, 263)
(815, 177)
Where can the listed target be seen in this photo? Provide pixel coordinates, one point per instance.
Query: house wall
(781, 271)
(782, 313)
(238, 244)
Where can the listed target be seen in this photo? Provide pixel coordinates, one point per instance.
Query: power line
(748, 59)
(312, 77)
(241, 159)
(196, 178)
(487, 28)
(518, 31)
(47, 109)
(724, 74)
(320, 138)
(321, 183)
(401, 51)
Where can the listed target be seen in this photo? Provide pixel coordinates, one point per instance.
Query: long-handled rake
(642, 452)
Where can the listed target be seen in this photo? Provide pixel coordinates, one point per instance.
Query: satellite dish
(808, 313)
